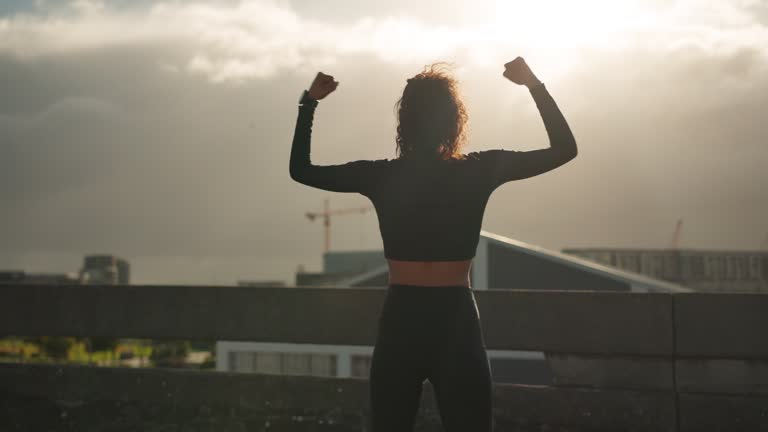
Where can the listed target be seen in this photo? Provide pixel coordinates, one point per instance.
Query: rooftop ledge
(621, 361)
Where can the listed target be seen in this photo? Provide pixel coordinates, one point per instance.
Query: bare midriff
(429, 273)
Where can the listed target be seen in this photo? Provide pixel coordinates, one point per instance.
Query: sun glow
(555, 33)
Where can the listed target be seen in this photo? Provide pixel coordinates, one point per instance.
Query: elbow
(567, 151)
(573, 150)
(572, 155)
(298, 174)
(296, 177)
(294, 172)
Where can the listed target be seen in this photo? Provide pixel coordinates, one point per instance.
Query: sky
(160, 131)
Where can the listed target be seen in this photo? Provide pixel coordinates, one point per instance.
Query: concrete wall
(98, 399)
(620, 361)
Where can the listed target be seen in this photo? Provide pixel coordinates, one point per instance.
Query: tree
(102, 344)
(171, 353)
(56, 347)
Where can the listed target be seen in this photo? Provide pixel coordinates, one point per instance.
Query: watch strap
(307, 100)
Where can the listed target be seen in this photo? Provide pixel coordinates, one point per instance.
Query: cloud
(120, 132)
(257, 39)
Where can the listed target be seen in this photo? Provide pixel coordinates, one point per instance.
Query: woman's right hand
(322, 86)
(518, 72)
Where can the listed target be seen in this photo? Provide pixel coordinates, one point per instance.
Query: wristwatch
(307, 100)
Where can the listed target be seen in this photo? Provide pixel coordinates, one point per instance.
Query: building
(105, 270)
(500, 263)
(341, 265)
(264, 283)
(700, 270)
(97, 269)
(21, 277)
(12, 276)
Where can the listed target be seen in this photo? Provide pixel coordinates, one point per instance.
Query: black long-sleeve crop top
(433, 210)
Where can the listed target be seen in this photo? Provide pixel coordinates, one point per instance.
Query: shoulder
(377, 163)
(473, 156)
(486, 155)
(480, 156)
(371, 163)
(370, 166)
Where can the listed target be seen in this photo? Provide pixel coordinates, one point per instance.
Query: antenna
(675, 242)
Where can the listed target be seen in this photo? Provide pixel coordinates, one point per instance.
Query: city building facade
(700, 270)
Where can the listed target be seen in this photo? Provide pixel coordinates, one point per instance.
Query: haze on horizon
(160, 131)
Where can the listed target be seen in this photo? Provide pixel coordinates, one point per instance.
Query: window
(296, 363)
(654, 265)
(241, 361)
(361, 365)
(629, 263)
(266, 362)
(696, 267)
(736, 267)
(754, 268)
(713, 267)
(323, 365)
(671, 270)
(283, 363)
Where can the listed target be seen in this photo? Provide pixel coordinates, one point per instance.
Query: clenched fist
(322, 86)
(518, 72)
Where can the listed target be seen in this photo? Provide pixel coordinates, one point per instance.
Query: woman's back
(430, 207)
(430, 210)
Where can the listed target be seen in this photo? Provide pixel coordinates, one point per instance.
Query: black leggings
(430, 332)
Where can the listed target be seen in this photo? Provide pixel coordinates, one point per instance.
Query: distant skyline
(160, 131)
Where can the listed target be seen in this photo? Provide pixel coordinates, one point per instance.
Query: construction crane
(675, 243)
(326, 215)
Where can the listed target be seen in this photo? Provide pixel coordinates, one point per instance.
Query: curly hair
(432, 120)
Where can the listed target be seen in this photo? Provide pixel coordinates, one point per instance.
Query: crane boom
(326, 215)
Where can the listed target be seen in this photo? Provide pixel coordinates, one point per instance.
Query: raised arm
(508, 165)
(356, 176)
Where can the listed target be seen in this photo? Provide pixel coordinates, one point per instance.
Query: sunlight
(554, 33)
(551, 23)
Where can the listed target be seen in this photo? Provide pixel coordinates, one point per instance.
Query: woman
(430, 203)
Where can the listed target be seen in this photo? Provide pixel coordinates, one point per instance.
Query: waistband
(400, 287)
(430, 303)
(429, 291)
